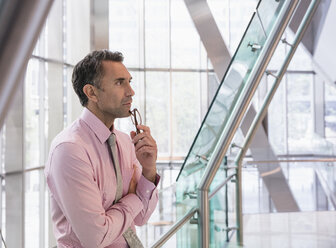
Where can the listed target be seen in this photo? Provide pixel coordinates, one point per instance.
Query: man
(80, 171)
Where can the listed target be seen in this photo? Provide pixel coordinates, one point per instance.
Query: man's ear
(90, 91)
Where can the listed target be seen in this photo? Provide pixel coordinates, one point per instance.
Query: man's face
(114, 95)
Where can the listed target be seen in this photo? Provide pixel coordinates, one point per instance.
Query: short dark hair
(90, 71)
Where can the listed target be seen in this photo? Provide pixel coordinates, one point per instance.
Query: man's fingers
(146, 149)
(145, 142)
(142, 137)
(138, 137)
(144, 128)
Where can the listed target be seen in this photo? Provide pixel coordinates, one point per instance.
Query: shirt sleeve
(73, 185)
(148, 194)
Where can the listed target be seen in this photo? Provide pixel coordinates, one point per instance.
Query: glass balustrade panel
(222, 208)
(188, 235)
(220, 110)
(218, 114)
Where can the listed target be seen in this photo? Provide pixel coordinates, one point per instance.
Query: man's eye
(119, 82)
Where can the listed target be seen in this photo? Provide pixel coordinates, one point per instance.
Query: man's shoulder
(74, 134)
(68, 144)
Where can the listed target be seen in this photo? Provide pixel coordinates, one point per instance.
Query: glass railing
(229, 90)
(187, 236)
(238, 73)
(184, 237)
(222, 206)
(249, 60)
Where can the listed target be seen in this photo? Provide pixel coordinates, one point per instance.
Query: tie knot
(112, 140)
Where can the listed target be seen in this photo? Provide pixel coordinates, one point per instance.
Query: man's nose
(130, 91)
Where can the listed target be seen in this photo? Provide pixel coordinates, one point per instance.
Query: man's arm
(73, 184)
(145, 149)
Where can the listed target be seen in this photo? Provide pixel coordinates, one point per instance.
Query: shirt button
(147, 191)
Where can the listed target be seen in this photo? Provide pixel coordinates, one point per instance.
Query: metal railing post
(203, 218)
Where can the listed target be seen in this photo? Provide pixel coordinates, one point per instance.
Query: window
(159, 41)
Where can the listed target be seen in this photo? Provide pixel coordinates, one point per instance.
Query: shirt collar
(96, 125)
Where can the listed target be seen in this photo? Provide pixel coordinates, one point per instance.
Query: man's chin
(125, 115)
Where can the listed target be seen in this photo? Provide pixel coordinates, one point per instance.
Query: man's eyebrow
(122, 79)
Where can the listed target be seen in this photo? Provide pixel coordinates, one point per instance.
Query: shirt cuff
(145, 187)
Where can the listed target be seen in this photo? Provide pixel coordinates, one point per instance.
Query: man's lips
(128, 103)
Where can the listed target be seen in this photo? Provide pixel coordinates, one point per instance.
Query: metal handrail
(221, 186)
(178, 225)
(233, 124)
(261, 114)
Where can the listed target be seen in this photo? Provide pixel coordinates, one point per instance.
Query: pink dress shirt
(82, 185)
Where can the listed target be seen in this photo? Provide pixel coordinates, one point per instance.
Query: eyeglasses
(136, 119)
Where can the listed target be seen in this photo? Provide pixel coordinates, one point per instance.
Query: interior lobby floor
(290, 230)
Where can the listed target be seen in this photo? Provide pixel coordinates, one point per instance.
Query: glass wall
(330, 112)
(294, 126)
(43, 110)
(158, 39)
(164, 54)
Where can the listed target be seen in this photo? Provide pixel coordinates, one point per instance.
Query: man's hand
(146, 151)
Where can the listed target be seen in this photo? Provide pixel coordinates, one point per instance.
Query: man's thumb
(132, 134)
